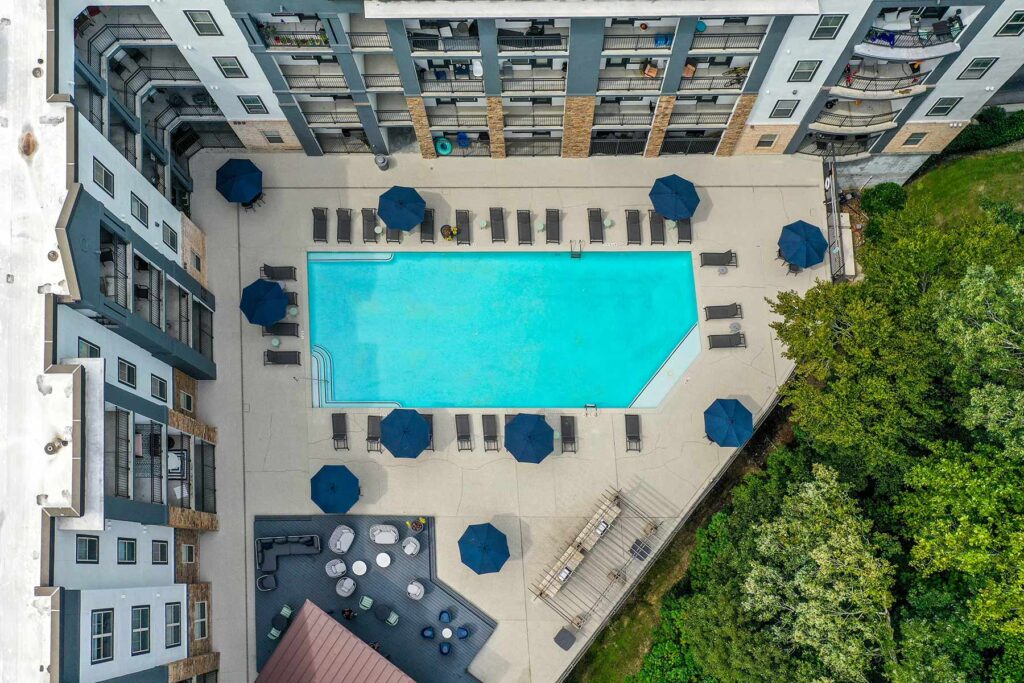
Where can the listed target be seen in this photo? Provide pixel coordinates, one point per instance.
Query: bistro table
(279, 622)
(446, 633)
(383, 560)
(382, 611)
(358, 567)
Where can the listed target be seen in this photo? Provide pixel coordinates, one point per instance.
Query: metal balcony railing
(856, 81)
(332, 118)
(699, 118)
(461, 85)
(103, 39)
(117, 453)
(382, 81)
(617, 147)
(713, 82)
(532, 148)
(912, 38)
(165, 118)
(533, 85)
(615, 119)
(543, 42)
(727, 41)
(180, 483)
(629, 84)
(369, 41)
(830, 118)
(474, 148)
(333, 82)
(284, 39)
(202, 330)
(147, 292)
(205, 477)
(148, 465)
(337, 144)
(654, 41)
(444, 44)
(457, 120)
(837, 148)
(141, 77)
(393, 115)
(533, 120)
(693, 146)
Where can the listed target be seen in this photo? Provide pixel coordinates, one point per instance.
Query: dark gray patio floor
(302, 577)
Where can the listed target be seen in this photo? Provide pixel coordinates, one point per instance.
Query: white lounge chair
(345, 587)
(415, 590)
(383, 534)
(341, 539)
(411, 547)
(335, 568)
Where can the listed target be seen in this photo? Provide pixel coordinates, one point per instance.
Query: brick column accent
(251, 135)
(662, 114)
(737, 123)
(496, 126)
(199, 592)
(577, 122)
(185, 669)
(421, 124)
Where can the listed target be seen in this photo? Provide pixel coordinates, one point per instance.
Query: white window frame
(170, 236)
(172, 624)
(140, 210)
(253, 104)
(947, 108)
(979, 71)
(201, 615)
(101, 175)
(206, 21)
(142, 630)
(779, 105)
(163, 554)
(801, 67)
(1015, 24)
(92, 542)
(99, 637)
(824, 29)
(157, 382)
(230, 67)
(124, 368)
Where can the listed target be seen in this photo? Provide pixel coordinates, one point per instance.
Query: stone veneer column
(577, 122)
(737, 124)
(421, 124)
(496, 126)
(659, 124)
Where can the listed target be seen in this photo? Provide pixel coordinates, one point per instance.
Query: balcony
(332, 118)
(618, 143)
(169, 117)
(901, 40)
(842, 148)
(114, 268)
(353, 142)
(869, 117)
(317, 83)
(177, 311)
(656, 39)
(688, 117)
(95, 37)
(879, 81)
(524, 117)
(533, 147)
(202, 329)
(467, 146)
(540, 84)
(147, 292)
(452, 117)
(451, 85)
(730, 38)
(529, 42)
(622, 118)
(147, 466)
(385, 82)
(295, 36)
(709, 83)
(620, 81)
(191, 473)
(393, 117)
(139, 80)
(694, 145)
(369, 40)
(441, 44)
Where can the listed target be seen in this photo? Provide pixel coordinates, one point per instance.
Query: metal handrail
(657, 41)
(727, 41)
(910, 38)
(533, 85)
(532, 148)
(393, 115)
(712, 82)
(830, 118)
(382, 80)
(694, 146)
(369, 41)
(287, 38)
(444, 44)
(323, 82)
(467, 120)
(103, 39)
(699, 118)
(476, 148)
(617, 147)
(332, 117)
(138, 79)
(617, 119)
(533, 120)
(630, 84)
(839, 148)
(855, 81)
(460, 85)
(542, 42)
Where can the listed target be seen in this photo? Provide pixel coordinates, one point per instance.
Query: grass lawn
(954, 188)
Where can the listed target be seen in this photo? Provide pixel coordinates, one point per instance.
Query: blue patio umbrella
(802, 244)
(674, 198)
(263, 302)
(728, 423)
(401, 208)
(239, 180)
(334, 489)
(483, 548)
(529, 438)
(405, 433)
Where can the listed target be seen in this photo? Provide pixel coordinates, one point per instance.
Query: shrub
(993, 127)
(882, 199)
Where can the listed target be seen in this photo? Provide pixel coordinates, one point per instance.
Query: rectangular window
(159, 552)
(125, 373)
(202, 21)
(197, 262)
(914, 139)
(273, 137)
(253, 104)
(87, 549)
(102, 635)
(102, 176)
(185, 401)
(171, 238)
(172, 624)
(783, 109)
(126, 551)
(1014, 26)
(828, 26)
(804, 71)
(140, 630)
(766, 141)
(944, 106)
(188, 553)
(86, 349)
(158, 387)
(200, 620)
(140, 211)
(978, 67)
(230, 67)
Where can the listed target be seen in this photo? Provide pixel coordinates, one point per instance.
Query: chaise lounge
(339, 429)
(490, 423)
(596, 226)
(718, 258)
(373, 433)
(497, 224)
(736, 340)
(723, 312)
(277, 272)
(633, 442)
(320, 224)
(524, 227)
(370, 235)
(427, 227)
(281, 330)
(344, 226)
(281, 357)
(568, 423)
(633, 228)
(553, 226)
(463, 433)
(463, 226)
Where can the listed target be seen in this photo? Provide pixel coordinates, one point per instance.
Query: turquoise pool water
(512, 330)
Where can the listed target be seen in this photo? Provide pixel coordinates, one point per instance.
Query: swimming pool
(508, 330)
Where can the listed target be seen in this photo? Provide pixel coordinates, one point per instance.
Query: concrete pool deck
(273, 440)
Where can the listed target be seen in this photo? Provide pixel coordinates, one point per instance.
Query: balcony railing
(139, 78)
(332, 118)
(393, 115)
(699, 118)
(382, 81)
(148, 463)
(693, 146)
(838, 148)
(457, 120)
(337, 144)
(369, 41)
(179, 480)
(912, 38)
(617, 147)
(533, 120)
(461, 85)
(114, 269)
(543, 42)
(875, 84)
(116, 453)
(533, 85)
(837, 119)
(444, 44)
(165, 118)
(655, 41)
(202, 330)
(281, 38)
(615, 119)
(532, 148)
(474, 148)
(727, 41)
(147, 291)
(205, 477)
(334, 82)
(713, 82)
(629, 84)
(101, 41)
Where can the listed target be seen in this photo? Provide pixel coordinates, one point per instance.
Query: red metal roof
(317, 649)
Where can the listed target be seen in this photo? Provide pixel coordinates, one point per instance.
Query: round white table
(358, 567)
(383, 560)
(446, 633)
(293, 311)
(378, 230)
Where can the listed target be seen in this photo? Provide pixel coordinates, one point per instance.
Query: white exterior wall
(127, 179)
(975, 93)
(122, 600)
(108, 573)
(796, 46)
(71, 325)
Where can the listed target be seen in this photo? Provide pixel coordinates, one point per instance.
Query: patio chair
(341, 539)
(568, 433)
(293, 298)
(281, 357)
(497, 225)
(430, 423)
(463, 225)
(684, 230)
(718, 258)
(320, 224)
(411, 546)
(427, 227)
(266, 583)
(345, 587)
(373, 433)
(658, 230)
(445, 617)
(370, 235)
(633, 228)
(462, 433)
(596, 226)
(339, 431)
(287, 611)
(723, 312)
(736, 340)
(415, 590)
(553, 226)
(335, 568)
(490, 423)
(445, 649)
(461, 632)
(277, 272)
(793, 270)
(383, 534)
(392, 619)
(393, 236)
(524, 227)
(281, 330)
(344, 226)
(365, 603)
(427, 632)
(633, 442)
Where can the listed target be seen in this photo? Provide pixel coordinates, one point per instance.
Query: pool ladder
(575, 249)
